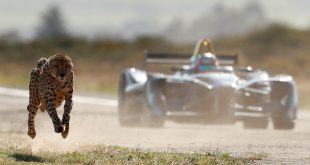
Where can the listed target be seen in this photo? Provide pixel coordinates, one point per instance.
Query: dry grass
(121, 155)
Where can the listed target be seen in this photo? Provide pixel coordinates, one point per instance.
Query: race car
(207, 88)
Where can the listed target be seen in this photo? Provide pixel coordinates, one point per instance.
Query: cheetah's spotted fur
(51, 82)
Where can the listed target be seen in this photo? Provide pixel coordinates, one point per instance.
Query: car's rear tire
(255, 123)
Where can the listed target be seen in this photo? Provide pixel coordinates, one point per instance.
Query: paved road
(95, 122)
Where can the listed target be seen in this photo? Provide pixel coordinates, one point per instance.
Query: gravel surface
(93, 124)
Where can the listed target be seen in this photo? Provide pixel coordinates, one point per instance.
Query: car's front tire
(149, 120)
(133, 110)
(284, 124)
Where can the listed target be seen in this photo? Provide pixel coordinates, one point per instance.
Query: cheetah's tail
(41, 62)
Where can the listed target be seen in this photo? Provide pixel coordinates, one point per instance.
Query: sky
(128, 17)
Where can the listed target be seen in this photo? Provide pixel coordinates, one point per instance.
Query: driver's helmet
(205, 62)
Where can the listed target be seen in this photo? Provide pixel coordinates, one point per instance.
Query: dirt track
(97, 124)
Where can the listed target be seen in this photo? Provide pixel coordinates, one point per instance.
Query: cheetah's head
(60, 66)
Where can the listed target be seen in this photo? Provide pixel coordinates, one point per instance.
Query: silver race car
(204, 87)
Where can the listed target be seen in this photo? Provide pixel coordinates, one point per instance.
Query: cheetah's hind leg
(42, 106)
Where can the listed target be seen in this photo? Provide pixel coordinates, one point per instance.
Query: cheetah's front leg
(33, 105)
(66, 115)
(32, 109)
(51, 110)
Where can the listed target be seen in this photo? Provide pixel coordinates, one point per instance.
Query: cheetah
(51, 82)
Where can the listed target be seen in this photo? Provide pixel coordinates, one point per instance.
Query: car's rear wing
(225, 59)
(166, 58)
(182, 59)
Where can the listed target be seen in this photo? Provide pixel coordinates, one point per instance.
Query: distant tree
(52, 24)
(11, 36)
(219, 21)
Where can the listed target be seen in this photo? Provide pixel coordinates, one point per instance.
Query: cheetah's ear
(46, 67)
(41, 62)
(70, 62)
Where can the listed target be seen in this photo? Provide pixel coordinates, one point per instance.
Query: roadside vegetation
(121, 155)
(98, 62)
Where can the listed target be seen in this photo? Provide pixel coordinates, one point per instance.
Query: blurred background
(104, 36)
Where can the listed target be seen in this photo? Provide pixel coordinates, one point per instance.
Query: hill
(97, 63)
